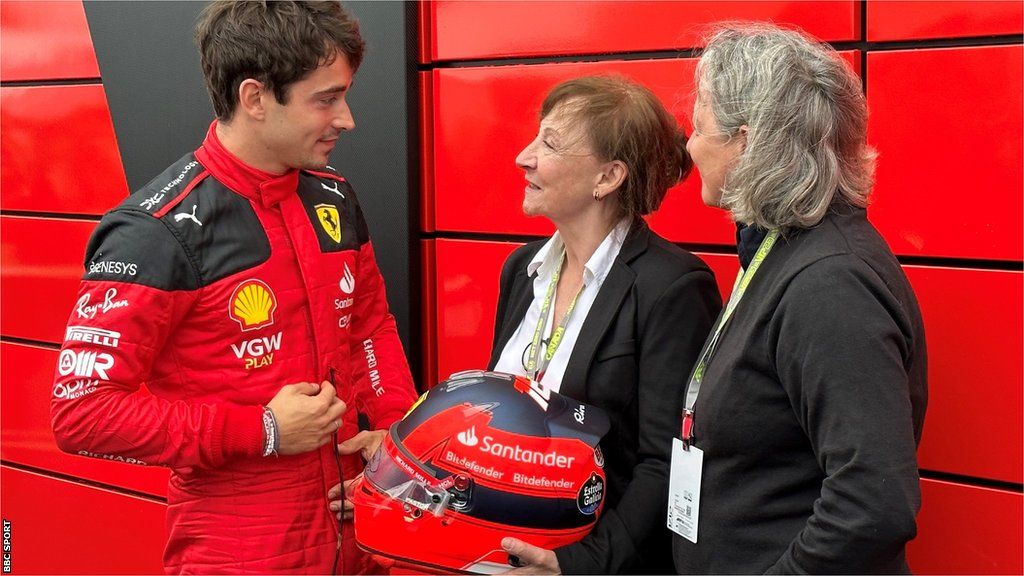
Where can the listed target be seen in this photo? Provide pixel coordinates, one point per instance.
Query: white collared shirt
(515, 354)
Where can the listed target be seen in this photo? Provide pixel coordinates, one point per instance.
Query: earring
(597, 197)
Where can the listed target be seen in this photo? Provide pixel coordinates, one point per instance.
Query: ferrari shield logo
(329, 220)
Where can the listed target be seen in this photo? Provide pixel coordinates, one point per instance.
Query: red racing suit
(216, 285)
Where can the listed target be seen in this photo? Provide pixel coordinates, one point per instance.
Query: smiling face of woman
(561, 169)
(713, 152)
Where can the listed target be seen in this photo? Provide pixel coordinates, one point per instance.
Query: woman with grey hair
(805, 410)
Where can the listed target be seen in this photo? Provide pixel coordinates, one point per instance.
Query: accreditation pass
(684, 490)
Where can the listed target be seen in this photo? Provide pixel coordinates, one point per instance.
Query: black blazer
(632, 359)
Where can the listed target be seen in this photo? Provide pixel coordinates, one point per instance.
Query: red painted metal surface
(426, 144)
(910, 20)
(471, 30)
(45, 41)
(973, 426)
(426, 29)
(965, 529)
(483, 117)
(27, 374)
(58, 152)
(467, 297)
(948, 125)
(725, 267)
(40, 267)
(428, 332)
(60, 527)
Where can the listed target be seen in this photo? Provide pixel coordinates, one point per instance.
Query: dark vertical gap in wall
(375, 157)
(416, 342)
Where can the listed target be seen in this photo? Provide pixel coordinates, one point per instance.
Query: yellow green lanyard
(738, 289)
(533, 363)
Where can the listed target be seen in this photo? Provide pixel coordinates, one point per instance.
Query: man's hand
(334, 501)
(307, 415)
(532, 559)
(366, 443)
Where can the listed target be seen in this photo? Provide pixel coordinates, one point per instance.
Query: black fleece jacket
(810, 413)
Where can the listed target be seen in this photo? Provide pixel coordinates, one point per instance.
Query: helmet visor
(395, 477)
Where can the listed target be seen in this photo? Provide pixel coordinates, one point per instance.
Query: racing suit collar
(255, 184)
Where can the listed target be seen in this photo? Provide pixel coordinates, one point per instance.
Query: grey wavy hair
(806, 120)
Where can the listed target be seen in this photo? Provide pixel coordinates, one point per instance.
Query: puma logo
(335, 189)
(185, 216)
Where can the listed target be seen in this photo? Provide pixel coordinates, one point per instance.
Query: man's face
(302, 133)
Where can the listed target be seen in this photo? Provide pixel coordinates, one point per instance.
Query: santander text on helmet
(525, 455)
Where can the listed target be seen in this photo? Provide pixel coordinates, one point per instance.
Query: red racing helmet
(482, 456)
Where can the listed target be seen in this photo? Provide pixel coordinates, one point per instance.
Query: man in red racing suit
(241, 287)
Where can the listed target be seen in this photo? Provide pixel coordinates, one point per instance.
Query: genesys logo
(74, 390)
(258, 352)
(252, 305)
(115, 267)
(513, 451)
(348, 281)
(98, 336)
(110, 302)
(84, 364)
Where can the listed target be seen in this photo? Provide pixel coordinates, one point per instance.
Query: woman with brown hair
(606, 311)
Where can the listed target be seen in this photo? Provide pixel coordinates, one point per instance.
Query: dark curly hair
(275, 42)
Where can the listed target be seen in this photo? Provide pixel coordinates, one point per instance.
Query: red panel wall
(62, 527)
(60, 168)
(41, 267)
(473, 30)
(467, 298)
(912, 20)
(59, 150)
(974, 371)
(27, 374)
(966, 529)
(946, 119)
(947, 123)
(484, 116)
(45, 41)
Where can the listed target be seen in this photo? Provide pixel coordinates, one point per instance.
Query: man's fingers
(353, 444)
(335, 492)
(335, 410)
(326, 391)
(350, 486)
(306, 388)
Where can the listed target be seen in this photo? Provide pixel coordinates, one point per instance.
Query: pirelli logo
(98, 336)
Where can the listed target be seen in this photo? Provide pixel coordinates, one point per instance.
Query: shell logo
(252, 305)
